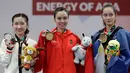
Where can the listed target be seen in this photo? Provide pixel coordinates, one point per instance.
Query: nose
(108, 17)
(19, 26)
(62, 20)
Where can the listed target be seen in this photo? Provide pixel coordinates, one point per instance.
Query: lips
(62, 24)
(19, 30)
(108, 21)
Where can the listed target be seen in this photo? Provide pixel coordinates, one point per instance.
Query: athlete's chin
(20, 33)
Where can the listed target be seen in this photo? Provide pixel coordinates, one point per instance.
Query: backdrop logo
(76, 7)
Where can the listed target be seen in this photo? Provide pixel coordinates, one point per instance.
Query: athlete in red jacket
(57, 56)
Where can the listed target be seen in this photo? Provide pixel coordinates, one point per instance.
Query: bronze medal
(103, 37)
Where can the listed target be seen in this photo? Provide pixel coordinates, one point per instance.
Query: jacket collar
(23, 40)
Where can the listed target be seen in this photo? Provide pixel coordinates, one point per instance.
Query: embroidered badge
(71, 42)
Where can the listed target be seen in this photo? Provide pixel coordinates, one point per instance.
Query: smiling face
(61, 19)
(108, 16)
(19, 25)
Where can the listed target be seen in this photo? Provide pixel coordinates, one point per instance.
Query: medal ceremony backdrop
(84, 15)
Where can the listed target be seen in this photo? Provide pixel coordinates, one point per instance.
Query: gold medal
(49, 36)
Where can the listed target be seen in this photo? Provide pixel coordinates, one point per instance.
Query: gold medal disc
(49, 36)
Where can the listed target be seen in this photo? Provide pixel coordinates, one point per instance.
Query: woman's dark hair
(108, 5)
(25, 17)
(60, 9)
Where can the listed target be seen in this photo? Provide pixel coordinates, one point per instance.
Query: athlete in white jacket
(10, 52)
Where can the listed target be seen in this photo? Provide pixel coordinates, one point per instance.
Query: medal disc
(49, 36)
